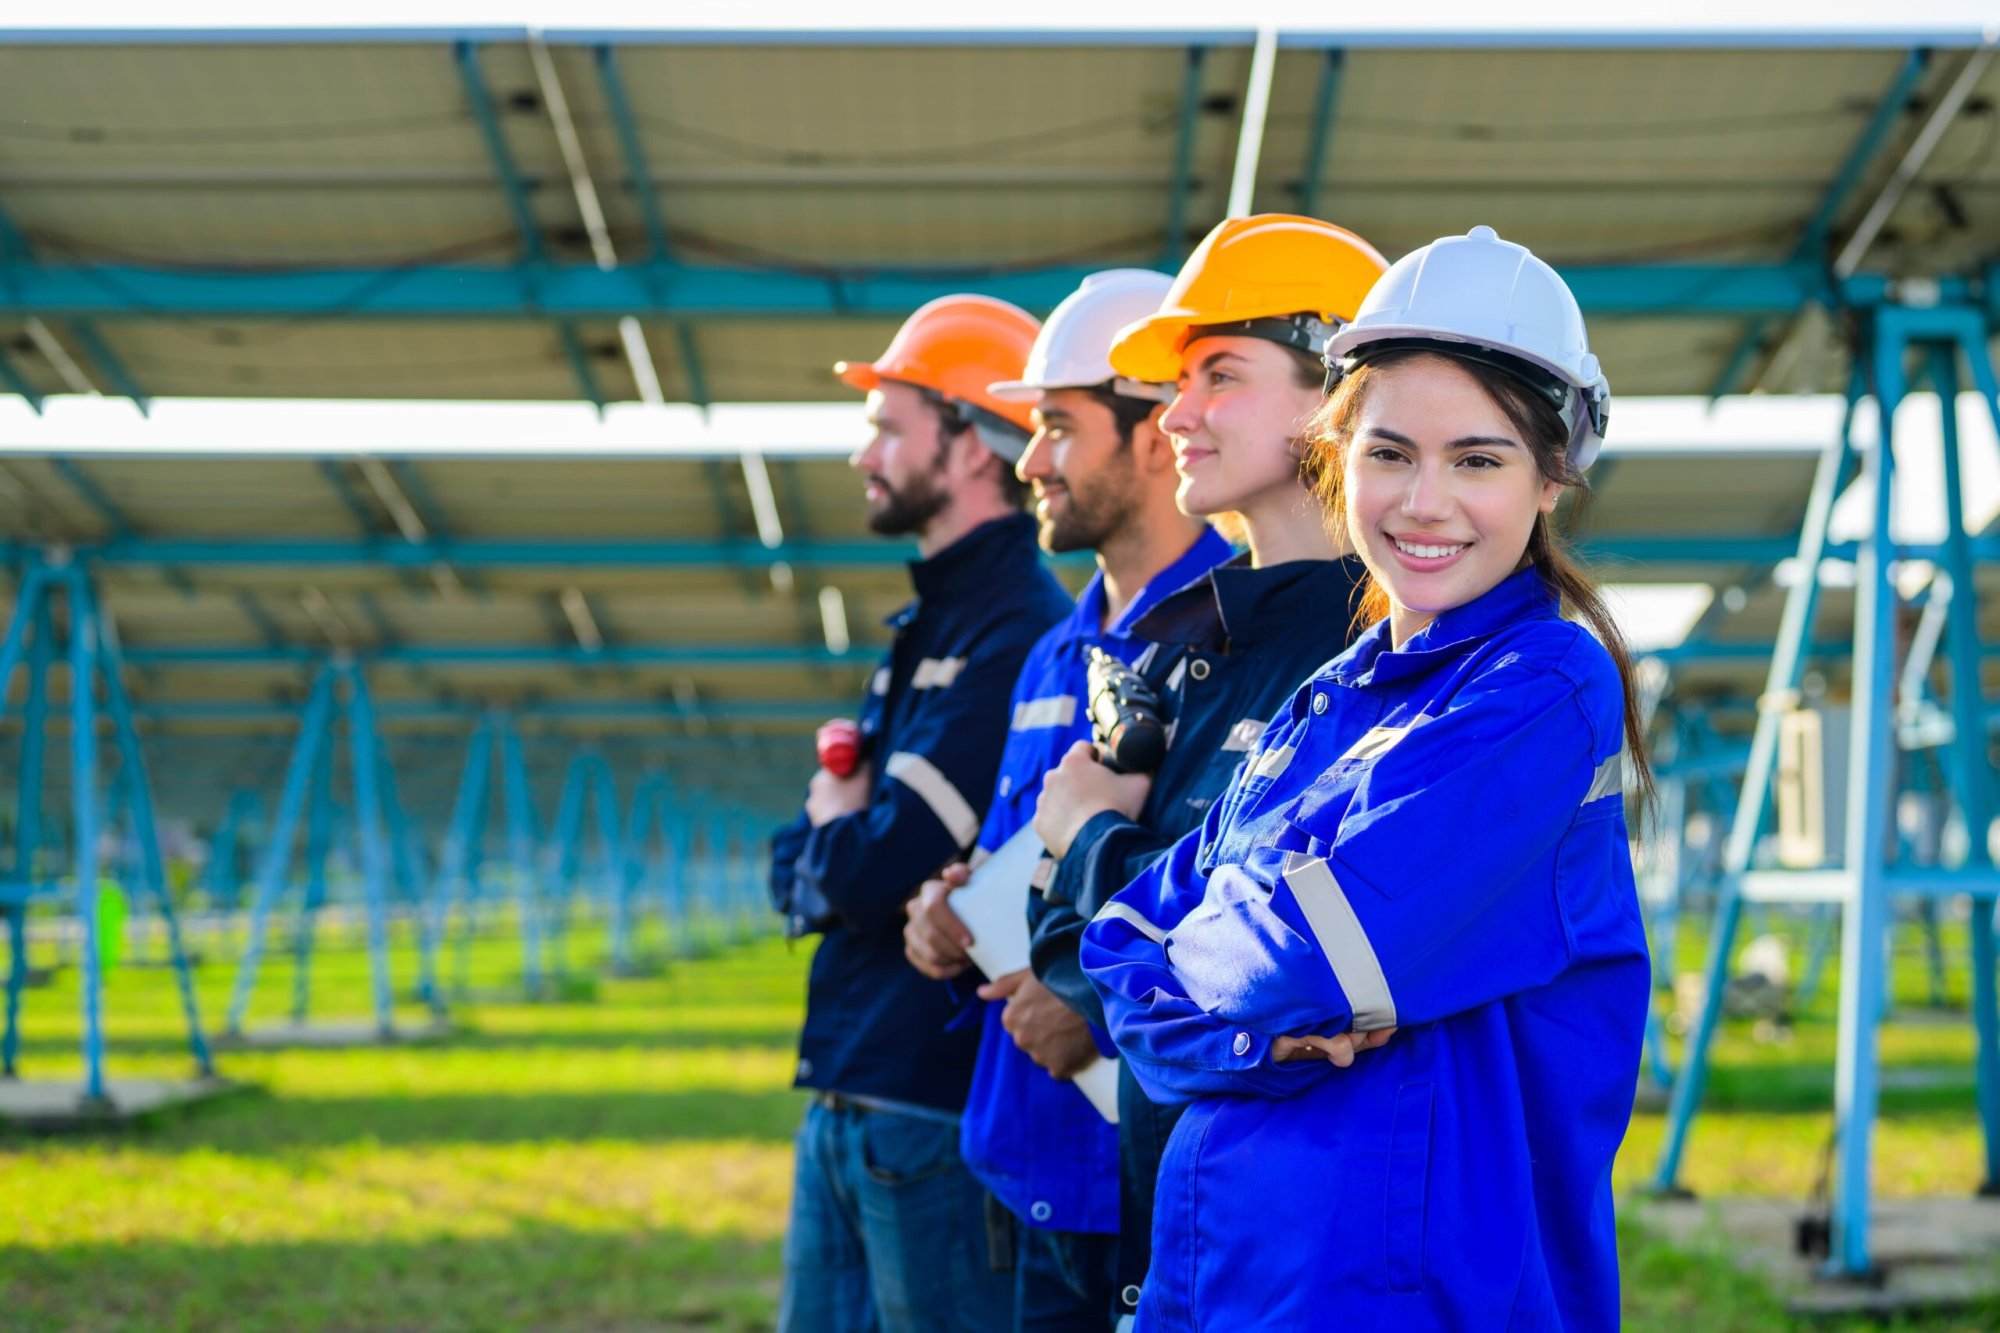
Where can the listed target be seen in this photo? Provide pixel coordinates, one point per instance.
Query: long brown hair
(1329, 433)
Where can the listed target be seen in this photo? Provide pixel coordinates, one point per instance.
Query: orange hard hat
(1277, 275)
(956, 346)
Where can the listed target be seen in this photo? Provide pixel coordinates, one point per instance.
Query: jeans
(1063, 1280)
(888, 1230)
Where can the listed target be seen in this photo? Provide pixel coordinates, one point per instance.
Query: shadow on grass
(259, 1123)
(534, 1277)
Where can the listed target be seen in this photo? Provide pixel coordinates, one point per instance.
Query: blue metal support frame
(365, 757)
(1326, 102)
(521, 845)
(588, 778)
(1866, 881)
(1788, 664)
(458, 857)
(27, 816)
(320, 816)
(277, 854)
(646, 194)
(1853, 170)
(225, 883)
(1971, 771)
(1174, 247)
(84, 823)
(466, 56)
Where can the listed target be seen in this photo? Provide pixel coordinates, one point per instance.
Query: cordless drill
(1124, 715)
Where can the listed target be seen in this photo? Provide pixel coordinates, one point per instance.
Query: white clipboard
(994, 907)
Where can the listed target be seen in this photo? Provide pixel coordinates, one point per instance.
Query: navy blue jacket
(1037, 1143)
(1429, 838)
(932, 726)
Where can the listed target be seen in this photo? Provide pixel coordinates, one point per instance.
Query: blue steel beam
(1175, 247)
(689, 291)
(1853, 170)
(646, 194)
(514, 186)
(1326, 100)
(110, 366)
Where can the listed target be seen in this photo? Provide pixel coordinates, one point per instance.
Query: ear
(1151, 445)
(1551, 492)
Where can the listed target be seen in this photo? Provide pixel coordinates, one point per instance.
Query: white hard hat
(1484, 299)
(1073, 350)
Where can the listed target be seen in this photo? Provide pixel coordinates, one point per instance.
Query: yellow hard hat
(1280, 276)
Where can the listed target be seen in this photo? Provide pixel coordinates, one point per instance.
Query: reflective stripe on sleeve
(921, 776)
(1243, 736)
(1341, 938)
(1610, 778)
(1056, 710)
(1117, 911)
(936, 673)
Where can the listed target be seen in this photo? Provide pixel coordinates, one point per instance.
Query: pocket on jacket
(903, 1149)
(1409, 1185)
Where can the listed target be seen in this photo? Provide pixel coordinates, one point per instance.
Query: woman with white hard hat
(1429, 838)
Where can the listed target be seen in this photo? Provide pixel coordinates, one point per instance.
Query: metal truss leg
(1871, 766)
(521, 847)
(1970, 773)
(138, 789)
(84, 808)
(277, 855)
(366, 762)
(1787, 670)
(319, 842)
(27, 821)
(454, 876)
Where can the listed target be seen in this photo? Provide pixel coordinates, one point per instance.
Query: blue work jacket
(1036, 1142)
(932, 727)
(1431, 838)
(1230, 649)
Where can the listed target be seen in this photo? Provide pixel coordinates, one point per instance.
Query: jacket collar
(989, 559)
(1234, 606)
(1523, 595)
(1207, 551)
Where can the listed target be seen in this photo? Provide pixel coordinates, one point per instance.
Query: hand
(934, 939)
(1078, 788)
(829, 798)
(1049, 1031)
(1340, 1049)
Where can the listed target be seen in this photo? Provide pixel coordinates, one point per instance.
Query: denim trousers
(1063, 1281)
(888, 1229)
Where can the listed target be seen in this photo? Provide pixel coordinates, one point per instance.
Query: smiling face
(1235, 419)
(1082, 470)
(1440, 488)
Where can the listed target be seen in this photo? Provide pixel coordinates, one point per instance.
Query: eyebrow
(1220, 354)
(1462, 442)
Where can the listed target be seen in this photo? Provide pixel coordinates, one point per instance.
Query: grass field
(622, 1162)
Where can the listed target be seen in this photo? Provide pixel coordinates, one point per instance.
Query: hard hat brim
(1150, 350)
(860, 375)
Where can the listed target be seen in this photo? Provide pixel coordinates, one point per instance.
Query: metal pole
(363, 744)
(139, 801)
(27, 816)
(277, 855)
(1781, 685)
(319, 842)
(1970, 768)
(521, 846)
(83, 798)
(1870, 779)
(455, 860)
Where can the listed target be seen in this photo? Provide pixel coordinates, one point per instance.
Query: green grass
(624, 1163)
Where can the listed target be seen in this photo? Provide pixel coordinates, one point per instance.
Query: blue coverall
(1037, 1143)
(1431, 838)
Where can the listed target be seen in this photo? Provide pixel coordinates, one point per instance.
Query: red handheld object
(839, 743)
